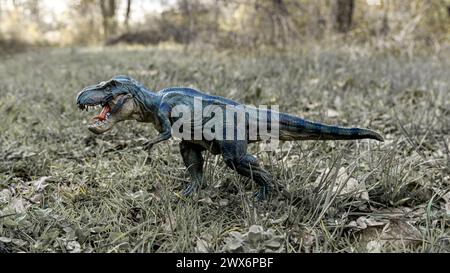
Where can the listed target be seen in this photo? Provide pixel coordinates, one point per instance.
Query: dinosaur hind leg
(193, 160)
(236, 157)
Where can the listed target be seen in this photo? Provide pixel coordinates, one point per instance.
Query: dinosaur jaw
(117, 109)
(103, 122)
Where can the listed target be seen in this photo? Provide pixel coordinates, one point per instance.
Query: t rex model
(123, 98)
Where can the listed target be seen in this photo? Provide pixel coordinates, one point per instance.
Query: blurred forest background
(402, 25)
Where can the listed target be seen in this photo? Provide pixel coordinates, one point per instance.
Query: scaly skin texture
(123, 98)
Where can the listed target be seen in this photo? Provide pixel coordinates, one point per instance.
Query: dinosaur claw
(262, 193)
(190, 189)
(148, 145)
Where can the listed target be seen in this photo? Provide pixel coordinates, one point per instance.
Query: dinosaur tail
(295, 128)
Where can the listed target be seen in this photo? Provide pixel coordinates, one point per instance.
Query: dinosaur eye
(108, 88)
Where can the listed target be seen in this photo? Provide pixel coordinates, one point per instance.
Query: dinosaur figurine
(123, 98)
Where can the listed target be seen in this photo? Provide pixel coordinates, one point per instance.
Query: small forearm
(166, 132)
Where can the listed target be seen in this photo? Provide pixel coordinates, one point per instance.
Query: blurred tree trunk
(342, 14)
(127, 15)
(385, 21)
(215, 26)
(280, 6)
(283, 28)
(185, 8)
(33, 6)
(279, 15)
(317, 23)
(108, 8)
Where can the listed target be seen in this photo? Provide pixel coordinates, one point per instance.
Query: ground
(63, 189)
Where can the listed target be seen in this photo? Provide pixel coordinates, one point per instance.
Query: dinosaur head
(114, 98)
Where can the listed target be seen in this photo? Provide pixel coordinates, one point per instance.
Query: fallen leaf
(37, 198)
(73, 247)
(401, 230)
(397, 233)
(169, 225)
(43, 213)
(19, 242)
(202, 246)
(206, 200)
(308, 238)
(223, 202)
(255, 240)
(279, 220)
(40, 184)
(273, 243)
(314, 81)
(255, 233)
(5, 239)
(364, 222)
(344, 183)
(374, 246)
(5, 196)
(234, 242)
(332, 113)
(291, 161)
(403, 213)
(18, 205)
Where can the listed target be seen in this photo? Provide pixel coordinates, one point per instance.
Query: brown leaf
(234, 242)
(202, 246)
(344, 183)
(332, 113)
(255, 233)
(18, 205)
(397, 233)
(40, 184)
(5, 196)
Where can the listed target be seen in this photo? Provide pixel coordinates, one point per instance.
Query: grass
(63, 189)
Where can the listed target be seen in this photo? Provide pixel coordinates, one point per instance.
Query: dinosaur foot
(262, 193)
(147, 145)
(190, 189)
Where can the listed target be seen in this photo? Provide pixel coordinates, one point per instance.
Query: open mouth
(101, 118)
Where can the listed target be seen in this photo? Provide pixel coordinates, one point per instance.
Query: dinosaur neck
(147, 101)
